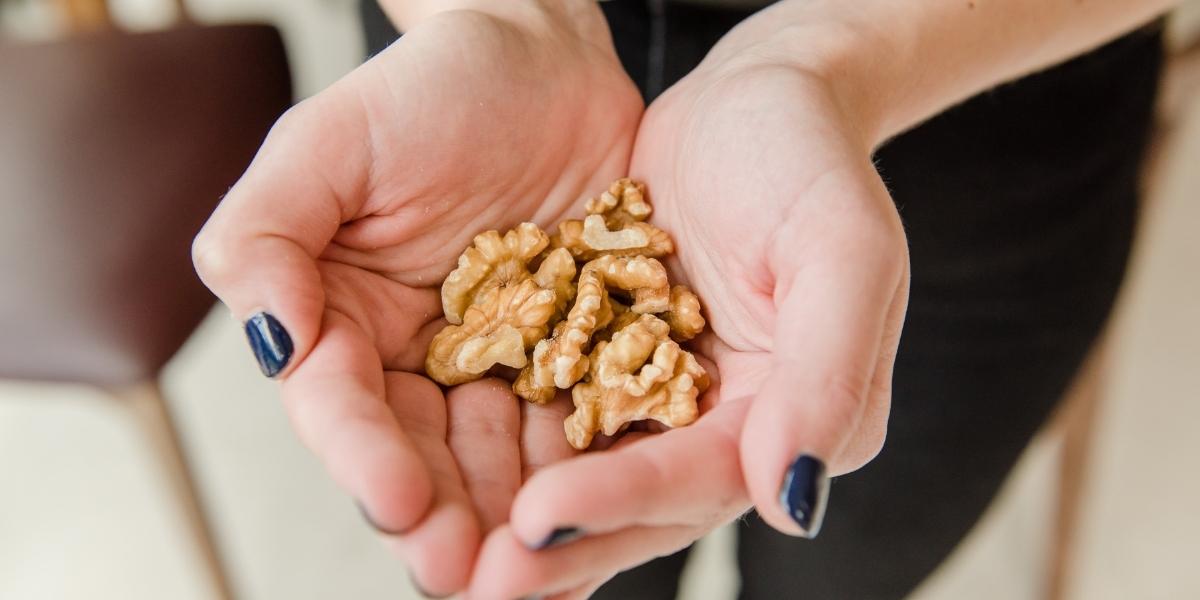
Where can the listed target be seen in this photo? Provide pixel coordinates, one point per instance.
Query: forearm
(582, 16)
(897, 62)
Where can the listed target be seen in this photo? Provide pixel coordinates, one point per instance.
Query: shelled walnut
(641, 374)
(498, 310)
(560, 361)
(615, 225)
(614, 321)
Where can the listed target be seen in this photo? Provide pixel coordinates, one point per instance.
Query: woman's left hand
(765, 180)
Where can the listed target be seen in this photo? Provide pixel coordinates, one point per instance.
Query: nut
(621, 362)
(498, 330)
(557, 272)
(615, 226)
(505, 308)
(645, 279)
(641, 374)
(491, 262)
(683, 314)
(561, 360)
(624, 201)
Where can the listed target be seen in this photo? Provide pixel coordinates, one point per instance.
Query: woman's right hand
(333, 244)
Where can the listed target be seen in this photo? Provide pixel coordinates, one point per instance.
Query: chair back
(114, 148)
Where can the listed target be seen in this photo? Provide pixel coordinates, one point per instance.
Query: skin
(355, 209)
(758, 164)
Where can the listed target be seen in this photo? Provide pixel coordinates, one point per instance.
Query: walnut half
(561, 360)
(506, 309)
(640, 374)
(615, 226)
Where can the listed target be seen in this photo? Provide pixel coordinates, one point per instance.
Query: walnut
(562, 360)
(615, 226)
(641, 374)
(498, 330)
(683, 314)
(608, 330)
(491, 262)
(645, 279)
(624, 201)
(505, 308)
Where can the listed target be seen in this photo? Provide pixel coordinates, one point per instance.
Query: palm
(481, 146)
(785, 230)
(755, 180)
(360, 202)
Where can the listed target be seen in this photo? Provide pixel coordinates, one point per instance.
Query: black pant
(1020, 207)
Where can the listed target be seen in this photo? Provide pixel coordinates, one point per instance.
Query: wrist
(579, 17)
(892, 64)
(823, 42)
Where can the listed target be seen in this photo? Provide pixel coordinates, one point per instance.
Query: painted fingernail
(366, 515)
(420, 590)
(805, 493)
(270, 342)
(559, 536)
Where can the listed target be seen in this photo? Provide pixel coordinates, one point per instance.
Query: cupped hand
(334, 242)
(787, 233)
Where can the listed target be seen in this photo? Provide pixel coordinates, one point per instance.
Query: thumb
(832, 326)
(258, 251)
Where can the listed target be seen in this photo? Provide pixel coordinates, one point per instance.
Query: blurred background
(190, 476)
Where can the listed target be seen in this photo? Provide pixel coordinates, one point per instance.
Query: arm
(360, 199)
(806, 290)
(897, 63)
(580, 15)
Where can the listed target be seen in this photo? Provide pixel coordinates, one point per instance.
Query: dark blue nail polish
(559, 536)
(366, 515)
(270, 342)
(805, 493)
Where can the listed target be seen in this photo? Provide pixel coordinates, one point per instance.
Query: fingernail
(366, 515)
(420, 590)
(559, 536)
(805, 493)
(270, 342)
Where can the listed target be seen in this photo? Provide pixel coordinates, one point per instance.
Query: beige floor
(82, 516)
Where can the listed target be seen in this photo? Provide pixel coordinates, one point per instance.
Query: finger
(484, 435)
(865, 442)
(687, 476)
(336, 403)
(440, 549)
(506, 569)
(830, 323)
(257, 252)
(542, 439)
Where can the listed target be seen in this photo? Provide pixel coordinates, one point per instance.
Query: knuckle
(211, 258)
(846, 389)
(292, 120)
(843, 399)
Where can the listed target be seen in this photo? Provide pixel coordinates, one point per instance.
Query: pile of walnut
(589, 309)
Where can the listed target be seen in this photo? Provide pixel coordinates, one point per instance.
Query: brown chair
(114, 148)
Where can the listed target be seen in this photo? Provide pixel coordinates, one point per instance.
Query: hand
(790, 238)
(334, 242)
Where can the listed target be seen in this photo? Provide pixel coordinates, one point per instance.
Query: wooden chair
(114, 148)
